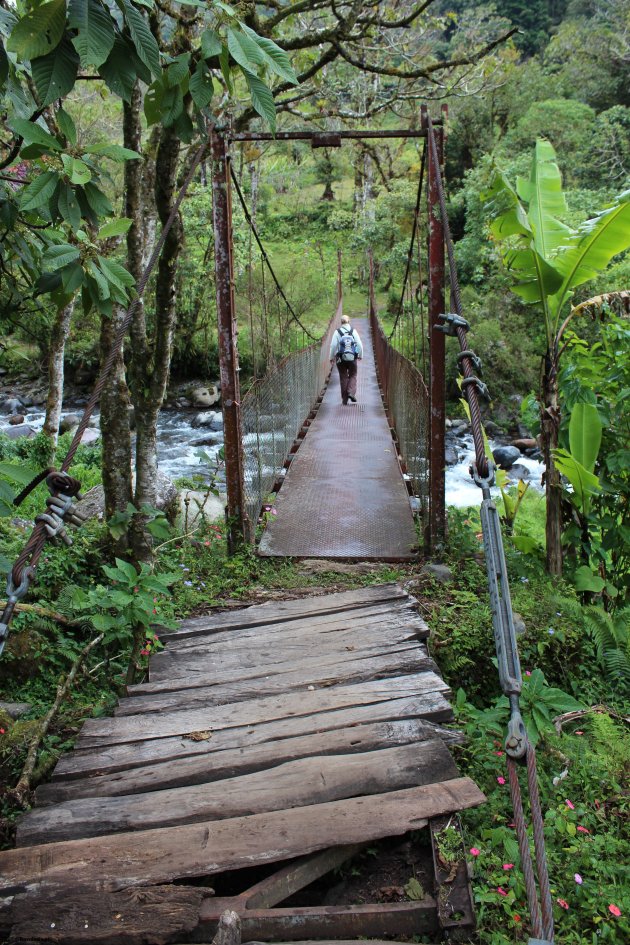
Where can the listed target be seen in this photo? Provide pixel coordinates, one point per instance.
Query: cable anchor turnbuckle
(502, 618)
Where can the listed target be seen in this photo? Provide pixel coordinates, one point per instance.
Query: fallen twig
(23, 786)
(561, 720)
(42, 612)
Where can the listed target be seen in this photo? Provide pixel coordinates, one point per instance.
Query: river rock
(15, 709)
(12, 405)
(200, 505)
(92, 505)
(69, 422)
(210, 439)
(19, 431)
(15, 419)
(525, 443)
(451, 456)
(518, 471)
(493, 429)
(90, 437)
(209, 418)
(205, 396)
(505, 456)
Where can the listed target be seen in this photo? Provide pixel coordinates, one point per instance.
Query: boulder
(90, 437)
(12, 405)
(205, 396)
(210, 439)
(21, 430)
(451, 457)
(16, 419)
(69, 422)
(506, 456)
(209, 418)
(525, 443)
(15, 709)
(518, 471)
(92, 505)
(194, 506)
(493, 429)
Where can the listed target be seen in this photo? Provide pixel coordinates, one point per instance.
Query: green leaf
(103, 291)
(39, 31)
(17, 473)
(127, 569)
(177, 70)
(66, 125)
(77, 170)
(34, 134)
(97, 200)
(585, 434)
(4, 63)
(95, 38)
(60, 255)
(201, 87)
(115, 228)
(172, 106)
(119, 69)
(143, 39)
(262, 99)
(39, 192)
(544, 194)
(211, 45)
(115, 273)
(56, 73)
(224, 62)
(114, 151)
(273, 56)
(584, 483)
(69, 206)
(244, 50)
(585, 580)
(72, 278)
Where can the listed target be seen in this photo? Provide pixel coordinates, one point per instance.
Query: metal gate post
(437, 349)
(239, 527)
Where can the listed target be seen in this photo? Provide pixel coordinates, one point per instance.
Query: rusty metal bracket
(326, 140)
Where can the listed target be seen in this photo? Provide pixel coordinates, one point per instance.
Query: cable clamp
(516, 741)
(475, 359)
(484, 482)
(482, 390)
(452, 322)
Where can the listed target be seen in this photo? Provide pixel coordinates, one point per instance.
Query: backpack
(347, 349)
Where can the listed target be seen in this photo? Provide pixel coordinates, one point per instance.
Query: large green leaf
(115, 152)
(584, 483)
(585, 434)
(201, 87)
(211, 45)
(77, 171)
(119, 69)
(274, 57)
(244, 50)
(262, 99)
(596, 242)
(56, 73)
(95, 37)
(39, 192)
(18, 473)
(143, 39)
(39, 31)
(32, 133)
(69, 206)
(543, 193)
(60, 255)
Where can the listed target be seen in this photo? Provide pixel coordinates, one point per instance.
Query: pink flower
(563, 903)
(528, 672)
(474, 851)
(508, 866)
(3, 731)
(616, 911)
(144, 652)
(501, 891)
(578, 879)
(582, 829)
(499, 753)
(501, 780)
(579, 733)
(570, 805)
(516, 917)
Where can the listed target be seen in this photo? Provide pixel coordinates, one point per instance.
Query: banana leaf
(585, 434)
(545, 199)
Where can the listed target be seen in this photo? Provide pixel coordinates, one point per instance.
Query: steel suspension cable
(414, 228)
(60, 482)
(264, 254)
(517, 745)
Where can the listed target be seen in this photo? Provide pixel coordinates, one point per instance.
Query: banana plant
(549, 260)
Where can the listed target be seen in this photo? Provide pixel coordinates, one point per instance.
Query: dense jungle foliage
(68, 258)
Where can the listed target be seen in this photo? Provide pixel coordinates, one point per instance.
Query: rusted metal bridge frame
(240, 528)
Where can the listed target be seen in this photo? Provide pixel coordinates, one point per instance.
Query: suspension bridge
(272, 744)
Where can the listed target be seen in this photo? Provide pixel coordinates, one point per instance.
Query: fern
(611, 635)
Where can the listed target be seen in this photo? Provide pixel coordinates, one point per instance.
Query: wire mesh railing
(407, 399)
(273, 412)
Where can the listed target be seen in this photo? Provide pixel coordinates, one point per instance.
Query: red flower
(563, 903)
(501, 780)
(570, 805)
(616, 911)
(582, 829)
(2, 731)
(501, 891)
(474, 851)
(508, 866)
(516, 917)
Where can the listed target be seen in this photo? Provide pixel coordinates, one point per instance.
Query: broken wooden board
(153, 857)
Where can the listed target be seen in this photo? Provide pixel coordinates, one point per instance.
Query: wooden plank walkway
(303, 729)
(343, 495)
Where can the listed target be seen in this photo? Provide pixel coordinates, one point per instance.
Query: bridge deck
(344, 495)
(305, 728)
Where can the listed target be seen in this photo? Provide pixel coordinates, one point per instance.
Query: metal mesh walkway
(343, 495)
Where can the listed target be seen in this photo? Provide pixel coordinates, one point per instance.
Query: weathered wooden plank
(150, 857)
(109, 731)
(74, 915)
(278, 611)
(320, 624)
(171, 663)
(404, 919)
(432, 707)
(301, 783)
(231, 762)
(271, 680)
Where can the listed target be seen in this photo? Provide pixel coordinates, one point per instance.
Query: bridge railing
(273, 412)
(407, 399)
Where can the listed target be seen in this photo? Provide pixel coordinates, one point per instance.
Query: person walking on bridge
(346, 349)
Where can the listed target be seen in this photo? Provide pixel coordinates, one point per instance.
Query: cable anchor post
(451, 322)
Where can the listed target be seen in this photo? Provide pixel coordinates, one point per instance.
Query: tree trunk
(116, 438)
(58, 338)
(550, 429)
